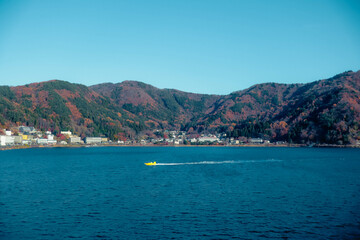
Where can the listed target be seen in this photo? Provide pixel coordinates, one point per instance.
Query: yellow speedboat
(150, 163)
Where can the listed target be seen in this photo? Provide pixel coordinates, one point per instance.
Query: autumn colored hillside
(325, 111)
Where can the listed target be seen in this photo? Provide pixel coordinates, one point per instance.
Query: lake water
(196, 193)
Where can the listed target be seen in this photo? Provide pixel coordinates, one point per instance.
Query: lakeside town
(29, 136)
(25, 136)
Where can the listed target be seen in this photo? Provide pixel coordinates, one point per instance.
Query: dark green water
(196, 193)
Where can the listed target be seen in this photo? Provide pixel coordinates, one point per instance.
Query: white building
(7, 140)
(209, 139)
(41, 141)
(92, 140)
(52, 142)
(256, 140)
(18, 139)
(75, 140)
(2, 140)
(69, 133)
(44, 141)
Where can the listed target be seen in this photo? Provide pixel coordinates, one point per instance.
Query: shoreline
(179, 146)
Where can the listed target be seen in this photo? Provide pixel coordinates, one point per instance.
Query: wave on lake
(218, 162)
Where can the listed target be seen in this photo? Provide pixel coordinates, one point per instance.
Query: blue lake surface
(196, 193)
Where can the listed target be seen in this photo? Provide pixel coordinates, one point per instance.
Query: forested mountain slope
(325, 111)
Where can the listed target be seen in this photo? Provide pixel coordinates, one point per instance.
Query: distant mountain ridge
(324, 111)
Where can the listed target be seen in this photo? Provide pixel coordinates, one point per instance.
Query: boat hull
(150, 164)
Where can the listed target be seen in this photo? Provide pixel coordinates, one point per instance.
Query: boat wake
(218, 162)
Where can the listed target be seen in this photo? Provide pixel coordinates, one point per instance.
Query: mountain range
(324, 111)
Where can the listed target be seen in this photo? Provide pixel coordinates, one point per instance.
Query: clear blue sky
(198, 46)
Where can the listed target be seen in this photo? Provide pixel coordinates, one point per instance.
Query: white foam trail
(217, 162)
